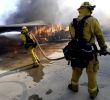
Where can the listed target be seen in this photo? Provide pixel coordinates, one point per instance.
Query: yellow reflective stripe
(93, 90)
(74, 83)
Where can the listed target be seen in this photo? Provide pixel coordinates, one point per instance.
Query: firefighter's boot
(94, 94)
(73, 87)
(36, 63)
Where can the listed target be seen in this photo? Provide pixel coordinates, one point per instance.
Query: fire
(45, 31)
(49, 29)
(66, 29)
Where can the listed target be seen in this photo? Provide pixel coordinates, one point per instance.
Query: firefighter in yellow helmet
(91, 30)
(29, 44)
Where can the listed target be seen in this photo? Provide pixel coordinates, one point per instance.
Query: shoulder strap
(78, 26)
(84, 19)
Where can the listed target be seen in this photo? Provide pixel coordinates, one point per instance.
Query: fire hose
(44, 52)
(98, 51)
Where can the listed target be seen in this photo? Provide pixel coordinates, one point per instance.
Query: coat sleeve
(99, 35)
(31, 37)
(71, 31)
(22, 38)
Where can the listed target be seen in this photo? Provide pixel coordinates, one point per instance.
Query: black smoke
(30, 10)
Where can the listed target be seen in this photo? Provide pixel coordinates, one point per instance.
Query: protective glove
(103, 52)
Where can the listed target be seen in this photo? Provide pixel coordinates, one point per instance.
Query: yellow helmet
(24, 29)
(87, 5)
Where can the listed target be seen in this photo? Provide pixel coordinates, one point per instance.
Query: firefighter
(91, 29)
(29, 44)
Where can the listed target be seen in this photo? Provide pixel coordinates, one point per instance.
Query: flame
(49, 29)
(43, 32)
(66, 29)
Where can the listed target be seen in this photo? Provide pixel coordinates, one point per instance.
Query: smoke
(48, 11)
(30, 10)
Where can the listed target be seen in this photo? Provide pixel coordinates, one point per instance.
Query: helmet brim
(91, 7)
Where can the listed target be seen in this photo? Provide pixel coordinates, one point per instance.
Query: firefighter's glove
(103, 52)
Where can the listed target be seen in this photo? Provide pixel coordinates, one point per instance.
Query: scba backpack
(78, 51)
(29, 42)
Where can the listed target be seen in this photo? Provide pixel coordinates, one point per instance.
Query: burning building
(49, 33)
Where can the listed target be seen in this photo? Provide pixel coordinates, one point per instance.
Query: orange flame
(49, 29)
(44, 31)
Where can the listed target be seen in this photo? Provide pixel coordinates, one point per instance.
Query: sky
(102, 7)
(6, 7)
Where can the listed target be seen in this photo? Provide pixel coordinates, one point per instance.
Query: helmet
(87, 5)
(24, 29)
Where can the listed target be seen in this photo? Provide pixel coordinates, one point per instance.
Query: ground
(50, 80)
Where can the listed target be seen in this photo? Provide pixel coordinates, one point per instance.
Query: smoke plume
(49, 11)
(46, 10)
(30, 10)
